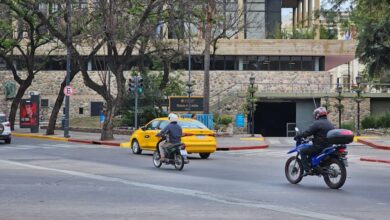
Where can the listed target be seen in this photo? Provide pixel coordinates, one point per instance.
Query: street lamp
(358, 99)
(252, 92)
(189, 92)
(339, 90)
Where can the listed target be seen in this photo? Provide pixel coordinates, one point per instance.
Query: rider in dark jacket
(174, 132)
(318, 129)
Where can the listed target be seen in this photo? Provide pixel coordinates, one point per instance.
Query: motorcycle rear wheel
(293, 170)
(179, 161)
(336, 174)
(156, 159)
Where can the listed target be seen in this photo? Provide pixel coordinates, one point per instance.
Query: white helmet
(318, 112)
(172, 117)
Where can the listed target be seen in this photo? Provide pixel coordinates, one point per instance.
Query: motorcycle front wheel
(156, 159)
(179, 161)
(293, 170)
(336, 174)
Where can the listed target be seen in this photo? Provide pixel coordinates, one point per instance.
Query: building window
(284, 63)
(231, 63)
(295, 63)
(81, 111)
(307, 64)
(274, 63)
(254, 19)
(44, 102)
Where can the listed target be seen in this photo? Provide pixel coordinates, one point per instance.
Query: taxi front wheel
(135, 147)
(204, 155)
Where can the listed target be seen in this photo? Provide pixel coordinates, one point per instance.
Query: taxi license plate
(200, 136)
(183, 152)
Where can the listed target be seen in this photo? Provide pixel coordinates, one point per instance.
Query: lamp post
(189, 92)
(68, 64)
(252, 91)
(358, 99)
(339, 90)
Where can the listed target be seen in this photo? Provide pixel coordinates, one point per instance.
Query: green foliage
(369, 122)
(225, 119)
(221, 122)
(348, 125)
(384, 120)
(327, 34)
(150, 103)
(371, 19)
(302, 33)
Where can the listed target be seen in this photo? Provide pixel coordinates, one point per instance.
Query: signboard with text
(181, 104)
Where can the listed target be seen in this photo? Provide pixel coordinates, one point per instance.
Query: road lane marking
(188, 192)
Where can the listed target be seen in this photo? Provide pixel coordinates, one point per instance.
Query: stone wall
(227, 89)
(349, 114)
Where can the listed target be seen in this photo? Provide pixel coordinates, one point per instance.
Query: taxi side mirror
(143, 128)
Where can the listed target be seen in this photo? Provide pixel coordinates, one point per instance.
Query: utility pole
(68, 63)
(136, 102)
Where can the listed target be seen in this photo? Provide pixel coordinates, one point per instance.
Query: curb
(374, 160)
(80, 141)
(242, 148)
(377, 146)
(37, 136)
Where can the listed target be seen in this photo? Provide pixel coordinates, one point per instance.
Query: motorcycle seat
(176, 145)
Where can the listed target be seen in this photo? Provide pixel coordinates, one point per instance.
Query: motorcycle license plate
(345, 161)
(183, 152)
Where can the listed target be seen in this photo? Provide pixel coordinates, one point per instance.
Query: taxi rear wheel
(135, 147)
(204, 155)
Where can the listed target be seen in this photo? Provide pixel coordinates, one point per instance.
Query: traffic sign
(68, 90)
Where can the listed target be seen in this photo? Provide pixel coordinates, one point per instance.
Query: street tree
(52, 17)
(373, 33)
(123, 25)
(24, 47)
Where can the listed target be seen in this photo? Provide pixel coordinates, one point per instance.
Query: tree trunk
(57, 106)
(165, 78)
(55, 111)
(206, 86)
(107, 132)
(15, 103)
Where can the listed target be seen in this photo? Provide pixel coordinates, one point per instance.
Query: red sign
(28, 113)
(68, 90)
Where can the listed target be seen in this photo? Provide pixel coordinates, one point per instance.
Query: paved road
(61, 180)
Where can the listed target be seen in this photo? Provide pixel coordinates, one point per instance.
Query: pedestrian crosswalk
(48, 146)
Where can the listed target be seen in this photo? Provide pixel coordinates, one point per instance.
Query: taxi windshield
(186, 124)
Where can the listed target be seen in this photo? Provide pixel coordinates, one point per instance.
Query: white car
(5, 129)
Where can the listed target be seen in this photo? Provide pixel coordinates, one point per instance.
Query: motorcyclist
(318, 129)
(174, 132)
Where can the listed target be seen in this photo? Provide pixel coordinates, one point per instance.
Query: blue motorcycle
(331, 163)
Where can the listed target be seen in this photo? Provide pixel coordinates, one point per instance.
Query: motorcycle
(331, 163)
(175, 155)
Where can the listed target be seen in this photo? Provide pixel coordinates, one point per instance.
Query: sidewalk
(237, 142)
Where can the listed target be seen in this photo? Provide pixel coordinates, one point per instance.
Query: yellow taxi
(196, 136)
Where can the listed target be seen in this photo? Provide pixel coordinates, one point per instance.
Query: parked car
(196, 137)
(5, 129)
